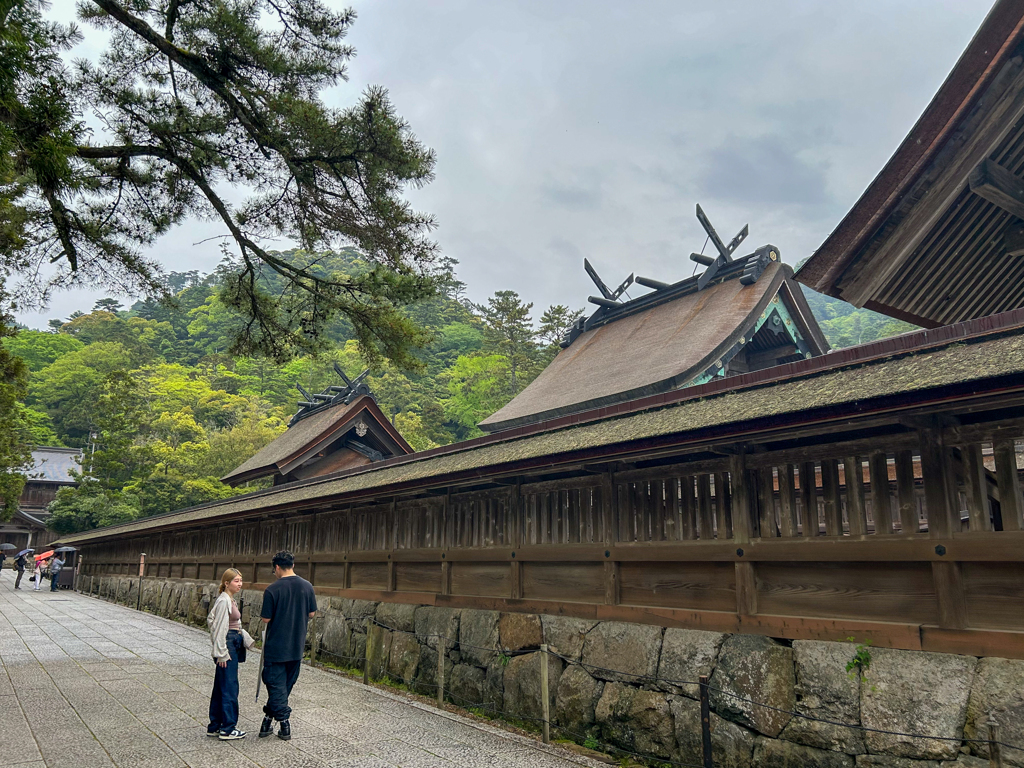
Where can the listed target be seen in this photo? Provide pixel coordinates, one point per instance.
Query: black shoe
(233, 735)
(285, 731)
(267, 727)
(212, 733)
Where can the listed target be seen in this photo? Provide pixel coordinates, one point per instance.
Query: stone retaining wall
(937, 694)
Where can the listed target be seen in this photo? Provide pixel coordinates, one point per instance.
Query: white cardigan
(217, 621)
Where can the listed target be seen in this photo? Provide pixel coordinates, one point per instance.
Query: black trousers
(224, 699)
(17, 581)
(279, 677)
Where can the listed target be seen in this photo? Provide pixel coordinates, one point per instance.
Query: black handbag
(32, 577)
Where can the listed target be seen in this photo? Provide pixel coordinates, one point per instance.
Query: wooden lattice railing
(912, 539)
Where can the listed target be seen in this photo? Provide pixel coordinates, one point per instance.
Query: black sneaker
(285, 731)
(267, 727)
(212, 731)
(233, 735)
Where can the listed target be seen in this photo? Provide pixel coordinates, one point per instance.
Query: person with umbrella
(20, 563)
(4, 549)
(37, 574)
(55, 565)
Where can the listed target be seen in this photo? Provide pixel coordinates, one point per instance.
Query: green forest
(163, 408)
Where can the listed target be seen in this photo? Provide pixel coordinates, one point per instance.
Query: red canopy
(45, 555)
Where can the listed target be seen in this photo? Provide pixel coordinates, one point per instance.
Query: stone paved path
(85, 683)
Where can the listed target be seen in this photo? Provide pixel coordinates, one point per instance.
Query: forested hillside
(163, 408)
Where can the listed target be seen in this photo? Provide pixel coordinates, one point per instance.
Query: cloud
(764, 170)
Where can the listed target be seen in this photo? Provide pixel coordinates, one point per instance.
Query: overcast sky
(566, 130)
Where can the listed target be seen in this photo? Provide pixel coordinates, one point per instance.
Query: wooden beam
(861, 283)
(740, 499)
(832, 496)
(809, 500)
(936, 474)
(976, 486)
(746, 590)
(881, 509)
(999, 185)
(949, 589)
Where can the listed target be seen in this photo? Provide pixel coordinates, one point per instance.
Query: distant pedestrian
(55, 567)
(20, 565)
(229, 644)
(2, 558)
(288, 605)
(37, 575)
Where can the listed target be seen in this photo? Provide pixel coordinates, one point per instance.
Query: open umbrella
(25, 552)
(5, 546)
(48, 553)
(65, 549)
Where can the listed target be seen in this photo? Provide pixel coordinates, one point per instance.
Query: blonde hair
(229, 575)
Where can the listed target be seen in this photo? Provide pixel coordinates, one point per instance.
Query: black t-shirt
(20, 563)
(287, 603)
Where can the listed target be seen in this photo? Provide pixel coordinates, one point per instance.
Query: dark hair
(284, 558)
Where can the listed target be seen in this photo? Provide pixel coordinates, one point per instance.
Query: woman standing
(225, 622)
(38, 574)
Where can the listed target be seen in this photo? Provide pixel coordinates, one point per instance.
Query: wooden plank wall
(913, 541)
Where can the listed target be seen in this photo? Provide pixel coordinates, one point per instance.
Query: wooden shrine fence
(911, 539)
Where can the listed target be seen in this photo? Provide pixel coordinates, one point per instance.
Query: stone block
(731, 745)
(358, 609)
(397, 616)
(520, 630)
(686, 654)
(405, 657)
(775, 753)
(478, 632)
(637, 720)
(432, 624)
(521, 682)
(756, 668)
(622, 652)
(826, 691)
(998, 688)
(888, 761)
(426, 675)
(576, 699)
(565, 634)
(378, 651)
(466, 686)
(916, 692)
(963, 761)
(494, 690)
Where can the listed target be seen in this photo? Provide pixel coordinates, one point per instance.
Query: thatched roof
(660, 346)
(313, 433)
(908, 368)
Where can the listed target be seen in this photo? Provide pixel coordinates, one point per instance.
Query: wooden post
(545, 699)
(740, 498)
(939, 485)
(787, 501)
(831, 495)
(723, 505)
(366, 655)
(313, 643)
(766, 503)
(853, 470)
(909, 522)
(705, 723)
(881, 509)
(1009, 484)
(442, 647)
(995, 750)
(976, 482)
(951, 595)
(611, 582)
(809, 499)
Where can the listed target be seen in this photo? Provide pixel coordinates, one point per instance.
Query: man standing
(55, 565)
(20, 565)
(288, 605)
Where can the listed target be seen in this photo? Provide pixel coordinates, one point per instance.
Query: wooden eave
(920, 244)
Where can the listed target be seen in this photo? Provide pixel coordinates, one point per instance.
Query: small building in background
(51, 470)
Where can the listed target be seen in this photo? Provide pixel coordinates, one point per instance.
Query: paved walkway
(85, 683)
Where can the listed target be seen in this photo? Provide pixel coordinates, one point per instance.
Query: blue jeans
(224, 699)
(279, 677)
(53, 581)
